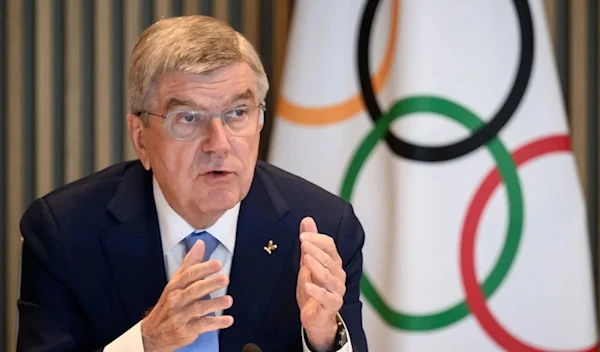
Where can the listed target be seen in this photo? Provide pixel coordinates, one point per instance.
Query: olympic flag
(442, 123)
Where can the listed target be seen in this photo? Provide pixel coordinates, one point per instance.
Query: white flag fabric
(442, 123)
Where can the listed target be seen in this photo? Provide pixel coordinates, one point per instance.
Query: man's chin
(220, 200)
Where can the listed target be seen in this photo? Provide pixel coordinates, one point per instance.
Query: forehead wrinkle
(202, 90)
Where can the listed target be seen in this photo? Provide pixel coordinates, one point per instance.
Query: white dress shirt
(173, 229)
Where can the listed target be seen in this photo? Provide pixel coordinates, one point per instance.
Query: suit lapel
(134, 252)
(255, 273)
(133, 248)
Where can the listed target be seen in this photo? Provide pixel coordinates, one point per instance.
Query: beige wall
(251, 27)
(578, 92)
(14, 170)
(578, 78)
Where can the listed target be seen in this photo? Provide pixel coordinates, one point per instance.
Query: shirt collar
(173, 228)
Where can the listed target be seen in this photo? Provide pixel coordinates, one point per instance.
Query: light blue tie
(208, 341)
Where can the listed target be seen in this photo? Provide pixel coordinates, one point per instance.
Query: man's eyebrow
(171, 102)
(246, 95)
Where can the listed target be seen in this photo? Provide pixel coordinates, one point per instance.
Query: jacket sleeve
(350, 241)
(49, 318)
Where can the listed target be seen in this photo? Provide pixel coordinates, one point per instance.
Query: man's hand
(321, 285)
(179, 316)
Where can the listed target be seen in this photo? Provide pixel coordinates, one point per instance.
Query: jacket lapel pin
(270, 247)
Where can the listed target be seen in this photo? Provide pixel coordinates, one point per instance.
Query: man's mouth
(217, 174)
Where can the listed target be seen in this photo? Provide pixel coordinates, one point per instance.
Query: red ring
(474, 295)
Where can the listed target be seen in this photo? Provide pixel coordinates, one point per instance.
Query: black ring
(481, 136)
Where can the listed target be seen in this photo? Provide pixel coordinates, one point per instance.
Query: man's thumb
(308, 225)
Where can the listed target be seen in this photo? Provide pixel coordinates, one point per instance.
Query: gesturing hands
(321, 285)
(179, 316)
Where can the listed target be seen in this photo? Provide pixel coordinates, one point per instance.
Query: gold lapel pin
(270, 247)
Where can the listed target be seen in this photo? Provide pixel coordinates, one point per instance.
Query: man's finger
(304, 273)
(205, 324)
(202, 307)
(195, 273)
(323, 276)
(193, 256)
(331, 302)
(324, 242)
(335, 266)
(201, 288)
(308, 224)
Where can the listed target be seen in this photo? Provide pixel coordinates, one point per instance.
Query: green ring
(508, 172)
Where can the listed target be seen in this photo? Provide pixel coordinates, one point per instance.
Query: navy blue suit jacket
(92, 262)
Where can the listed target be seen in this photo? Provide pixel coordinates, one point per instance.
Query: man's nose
(217, 137)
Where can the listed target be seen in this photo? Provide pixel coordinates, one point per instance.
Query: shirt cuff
(347, 346)
(130, 341)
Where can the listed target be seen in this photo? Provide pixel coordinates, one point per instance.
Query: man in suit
(196, 246)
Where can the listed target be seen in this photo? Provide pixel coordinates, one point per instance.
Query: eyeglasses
(192, 124)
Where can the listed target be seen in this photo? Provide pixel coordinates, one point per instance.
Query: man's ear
(136, 134)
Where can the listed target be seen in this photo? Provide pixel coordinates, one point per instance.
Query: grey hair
(192, 44)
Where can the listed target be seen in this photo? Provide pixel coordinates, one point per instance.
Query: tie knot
(210, 243)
